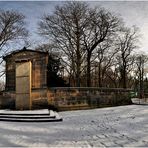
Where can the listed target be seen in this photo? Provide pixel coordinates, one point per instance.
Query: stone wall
(7, 100)
(39, 98)
(73, 98)
(83, 98)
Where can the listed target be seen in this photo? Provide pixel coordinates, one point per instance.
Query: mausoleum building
(26, 76)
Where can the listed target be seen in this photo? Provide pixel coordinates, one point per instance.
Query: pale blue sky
(33, 12)
(133, 13)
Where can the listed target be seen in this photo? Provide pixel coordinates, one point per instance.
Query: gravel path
(122, 126)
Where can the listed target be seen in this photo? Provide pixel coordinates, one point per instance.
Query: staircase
(43, 115)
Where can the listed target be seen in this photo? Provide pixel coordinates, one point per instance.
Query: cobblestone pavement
(123, 126)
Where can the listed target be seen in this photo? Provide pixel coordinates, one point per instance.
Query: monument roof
(22, 50)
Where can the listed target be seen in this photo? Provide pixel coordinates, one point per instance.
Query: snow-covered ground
(114, 126)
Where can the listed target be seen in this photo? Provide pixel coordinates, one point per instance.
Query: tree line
(94, 46)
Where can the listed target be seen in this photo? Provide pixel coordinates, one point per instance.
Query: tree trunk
(124, 78)
(141, 73)
(99, 77)
(78, 80)
(88, 70)
(78, 68)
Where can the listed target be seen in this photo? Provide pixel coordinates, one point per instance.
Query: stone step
(44, 112)
(31, 120)
(30, 116)
(12, 114)
(26, 117)
(27, 112)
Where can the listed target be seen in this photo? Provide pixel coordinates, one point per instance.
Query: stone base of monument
(43, 115)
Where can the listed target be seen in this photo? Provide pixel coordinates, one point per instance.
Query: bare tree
(78, 30)
(126, 42)
(11, 29)
(103, 26)
(106, 52)
(140, 62)
(113, 75)
(65, 29)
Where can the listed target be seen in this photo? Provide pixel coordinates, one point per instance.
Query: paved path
(116, 126)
